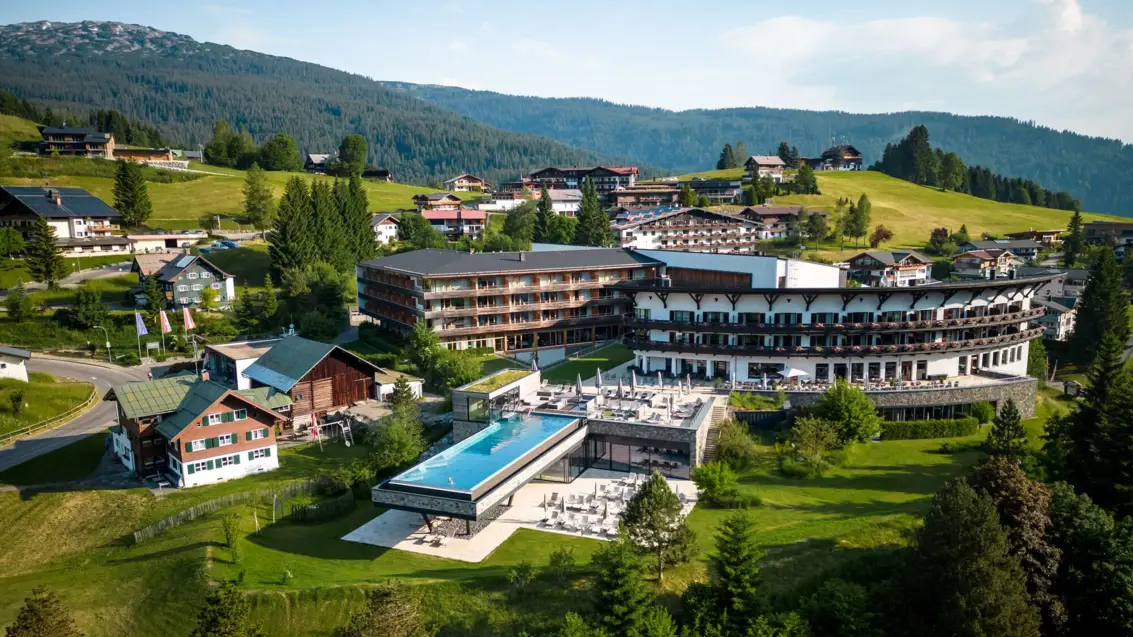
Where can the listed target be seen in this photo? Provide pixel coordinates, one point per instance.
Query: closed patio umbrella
(688, 377)
(660, 383)
(578, 385)
(765, 380)
(598, 379)
(632, 380)
(621, 390)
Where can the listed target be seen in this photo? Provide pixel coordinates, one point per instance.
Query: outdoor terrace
(989, 320)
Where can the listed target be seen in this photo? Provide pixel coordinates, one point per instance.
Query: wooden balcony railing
(884, 326)
(527, 326)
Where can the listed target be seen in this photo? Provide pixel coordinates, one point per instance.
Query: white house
(12, 361)
(385, 228)
(151, 243)
(82, 222)
(1059, 318)
(386, 379)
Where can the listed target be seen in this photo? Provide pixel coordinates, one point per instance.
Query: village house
(1059, 318)
(1048, 238)
(605, 179)
(71, 141)
(1119, 233)
(759, 166)
(773, 222)
(840, 157)
(82, 222)
(437, 201)
(985, 264)
(718, 191)
(455, 224)
(378, 174)
(651, 194)
(692, 229)
(1025, 249)
(385, 228)
(890, 268)
(193, 431)
(564, 201)
(12, 363)
(157, 156)
(467, 183)
(151, 243)
(182, 277)
(316, 162)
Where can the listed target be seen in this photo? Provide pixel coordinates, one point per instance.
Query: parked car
(230, 244)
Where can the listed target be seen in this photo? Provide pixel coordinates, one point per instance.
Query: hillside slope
(912, 211)
(1097, 171)
(184, 86)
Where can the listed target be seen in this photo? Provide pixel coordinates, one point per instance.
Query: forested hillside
(185, 86)
(1097, 171)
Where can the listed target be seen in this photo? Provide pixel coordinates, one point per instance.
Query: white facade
(385, 232)
(225, 466)
(766, 272)
(13, 367)
(121, 443)
(386, 388)
(1059, 325)
(148, 243)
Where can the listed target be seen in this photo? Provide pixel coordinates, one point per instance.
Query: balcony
(534, 306)
(771, 328)
(843, 351)
(520, 289)
(526, 326)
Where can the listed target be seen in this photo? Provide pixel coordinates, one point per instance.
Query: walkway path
(100, 417)
(75, 280)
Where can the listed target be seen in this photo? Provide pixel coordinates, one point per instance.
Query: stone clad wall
(1022, 391)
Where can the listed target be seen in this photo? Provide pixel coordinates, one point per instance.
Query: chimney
(522, 256)
(205, 375)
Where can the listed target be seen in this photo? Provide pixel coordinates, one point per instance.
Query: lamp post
(107, 332)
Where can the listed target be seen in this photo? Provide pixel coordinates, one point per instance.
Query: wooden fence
(322, 511)
(48, 423)
(192, 513)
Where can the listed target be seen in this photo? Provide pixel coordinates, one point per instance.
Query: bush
(920, 429)
(754, 401)
(735, 445)
(791, 468)
(983, 412)
(736, 500)
(715, 481)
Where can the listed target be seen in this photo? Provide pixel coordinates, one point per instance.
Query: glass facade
(624, 455)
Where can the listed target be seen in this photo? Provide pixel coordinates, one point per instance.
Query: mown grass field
(179, 206)
(43, 397)
(12, 270)
(605, 359)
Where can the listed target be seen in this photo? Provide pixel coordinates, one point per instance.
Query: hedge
(918, 429)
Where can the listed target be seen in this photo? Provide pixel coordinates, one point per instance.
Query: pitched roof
(205, 393)
(1052, 305)
(436, 196)
(185, 396)
(467, 214)
(466, 177)
(633, 223)
(152, 397)
(893, 257)
(73, 202)
(986, 254)
(765, 160)
(382, 217)
(88, 134)
(1006, 244)
(432, 262)
(148, 264)
(384, 376)
(565, 194)
(171, 270)
(15, 351)
(318, 158)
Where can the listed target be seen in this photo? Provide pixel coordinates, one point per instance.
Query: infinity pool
(470, 462)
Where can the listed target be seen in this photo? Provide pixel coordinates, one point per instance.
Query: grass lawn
(73, 462)
(490, 364)
(12, 270)
(248, 263)
(499, 380)
(605, 358)
(113, 290)
(44, 397)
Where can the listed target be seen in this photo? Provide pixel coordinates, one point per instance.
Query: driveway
(74, 280)
(92, 422)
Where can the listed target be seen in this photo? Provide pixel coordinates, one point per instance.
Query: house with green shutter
(188, 430)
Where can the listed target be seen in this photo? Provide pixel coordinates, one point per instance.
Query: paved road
(75, 280)
(93, 421)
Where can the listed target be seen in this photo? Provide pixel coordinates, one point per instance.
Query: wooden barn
(319, 378)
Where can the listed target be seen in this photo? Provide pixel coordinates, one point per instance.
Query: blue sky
(1062, 63)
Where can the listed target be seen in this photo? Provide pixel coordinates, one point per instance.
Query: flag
(189, 324)
(165, 327)
(314, 430)
(140, 324)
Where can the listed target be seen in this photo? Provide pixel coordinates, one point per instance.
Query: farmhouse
(985, 264)
(144, 155)
(457, 223)
(840, 157)
(316, 162)
(12, 363)
(437, 201)
(890, 268)
(385, 228)
(71, 141)
(82, 222)
(195, 431)
(151, 243)
(183, 277)
(773, 222)
(467, 183)
(760, 166)
(378, 174)
(1023, 248)
(1045, 237)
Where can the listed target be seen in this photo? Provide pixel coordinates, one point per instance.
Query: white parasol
(598, 379)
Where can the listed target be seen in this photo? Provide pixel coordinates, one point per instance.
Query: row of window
(196, 287)
(203, 275)
(224, 440)
(224, 416)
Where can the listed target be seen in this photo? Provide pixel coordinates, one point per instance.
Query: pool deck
(404, 530)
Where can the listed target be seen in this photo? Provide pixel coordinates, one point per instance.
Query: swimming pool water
(468, 463)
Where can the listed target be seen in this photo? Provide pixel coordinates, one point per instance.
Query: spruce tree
(784, 152)
(544, 210)
(727, 158)
(686, 197)
(657, 622)
(1106, 381)
(155, 298)
(225, 614)
(247, 314)
(259, 203)
(291, 243)
(270, 309)
(329, 234)
(1101, 308)
(1036, 360)
(619, 587)
(1072, 246)
(593, 224)
(962, 579)
(43, 260)
(735, 572)
(43, 615)
(131, 197)
(357, 220)
(18, 303)
(1007, 436)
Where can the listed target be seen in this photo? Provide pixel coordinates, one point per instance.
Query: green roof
(267, 396)
(199, 398)
(152, 397)
(283, 365)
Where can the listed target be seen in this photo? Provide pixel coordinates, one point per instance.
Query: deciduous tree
(88, 310)
(653, 520)
(561, 229)
(851, 412)
(280, 153)
(209, 299)
(351, 158)
(880, 235)
(11, 242)
(1036, 360)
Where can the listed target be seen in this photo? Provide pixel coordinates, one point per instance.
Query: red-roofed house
(456, 223)
(437, 201)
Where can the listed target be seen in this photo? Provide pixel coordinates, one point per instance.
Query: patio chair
(554, 499)
(551, 519)
(444, 539)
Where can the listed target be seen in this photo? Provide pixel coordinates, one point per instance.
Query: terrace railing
(873, 326)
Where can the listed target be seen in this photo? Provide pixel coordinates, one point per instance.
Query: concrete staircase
(718, 415)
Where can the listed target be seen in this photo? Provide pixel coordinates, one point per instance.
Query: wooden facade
(257, 418)
(709, 278)
(337, 381)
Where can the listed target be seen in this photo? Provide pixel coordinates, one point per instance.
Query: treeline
(913, 159)
(125, 130)
(185, 94)
(1096, 170)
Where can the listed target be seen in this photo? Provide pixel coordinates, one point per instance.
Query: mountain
(184, 86)
(1097, 171)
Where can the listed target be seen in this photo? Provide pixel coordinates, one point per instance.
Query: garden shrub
(984, 412)
(735, 445)
(920, 429)
(792, 468)
(754, 401)
(717, 484)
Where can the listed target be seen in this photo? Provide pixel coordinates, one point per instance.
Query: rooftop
(433, 262)
(184, 393)
(245, 350)
(1006, 244)
(73, 202)
(15, 351)
(495, 381)
(291, 359)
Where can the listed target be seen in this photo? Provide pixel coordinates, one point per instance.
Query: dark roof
(185, 396)
(1004, 244)
(73, 202)
(376, 172)
(93, 134)
(15, 351)
(436, 196)
(177, 265)
(847, 150)
(892, 257)
(452, 263)
(290, 360)
(1053, 305)
(382, 216)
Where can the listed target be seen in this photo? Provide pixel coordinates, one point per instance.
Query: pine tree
(1036, 360)
(18, 303)
(402, 398)
(357, 220)
(131, 197)
(619, 587)
(1101, 307)
(329, 234)
(543, 213)
(1072, 246)
(657, 623)
(291, 244)
(735, 572)
(727, 158)
(1007, 436)
(259, 204)
(155, 298)
(784, 152)
(44, 262)
(962, 579)
(43, 615)
(226, 614)
(687, 197)
(247, 314)
(270, 309)
(794, 158)
(593, 223)
(653, 520)
(88, 309)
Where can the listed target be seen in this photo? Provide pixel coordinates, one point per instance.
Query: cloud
(1059, 66)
